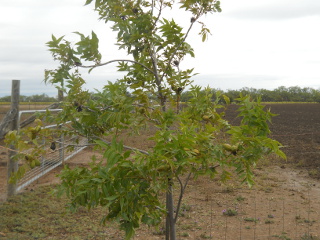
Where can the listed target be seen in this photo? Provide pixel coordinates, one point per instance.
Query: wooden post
(61, 138)
(12, 164)
(60, 95)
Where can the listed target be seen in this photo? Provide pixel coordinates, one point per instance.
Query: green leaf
(112, 198)
(126, 154)
(226, 99)
(204, 37)
(113, 158)
(88, 2)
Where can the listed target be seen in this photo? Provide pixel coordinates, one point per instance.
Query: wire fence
(289, 211)
(52, 159)
(269, 216)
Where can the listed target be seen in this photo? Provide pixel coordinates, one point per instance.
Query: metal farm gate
(55, 158)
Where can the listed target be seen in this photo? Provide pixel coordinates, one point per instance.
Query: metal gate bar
(53, 159)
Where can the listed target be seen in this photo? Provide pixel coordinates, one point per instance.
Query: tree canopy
(190, 142)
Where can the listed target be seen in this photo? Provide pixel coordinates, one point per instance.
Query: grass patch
(38, 214)
(230, 212)
(248, 219)
(240, 199)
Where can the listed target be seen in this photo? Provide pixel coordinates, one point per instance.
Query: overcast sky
(258, 44)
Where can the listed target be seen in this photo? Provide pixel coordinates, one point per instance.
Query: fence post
(61, 139)
(12, 164)
(60, 95)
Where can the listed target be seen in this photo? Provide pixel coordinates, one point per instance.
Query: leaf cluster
(123, 186)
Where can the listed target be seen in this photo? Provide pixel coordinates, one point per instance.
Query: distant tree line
(33, 98)
(280, 94)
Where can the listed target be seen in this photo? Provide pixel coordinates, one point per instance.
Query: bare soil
(284, 203)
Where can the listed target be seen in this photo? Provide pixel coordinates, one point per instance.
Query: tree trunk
(170, 223)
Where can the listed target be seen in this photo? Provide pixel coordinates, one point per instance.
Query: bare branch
(118, 60)
(159, 14)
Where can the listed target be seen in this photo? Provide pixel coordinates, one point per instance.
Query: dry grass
(40, 215)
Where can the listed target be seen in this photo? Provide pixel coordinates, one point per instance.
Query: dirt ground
(284, 204)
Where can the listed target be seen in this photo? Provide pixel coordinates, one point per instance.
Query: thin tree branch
(159, 14)
(117, 60)
(182, 189)
(153, 57)
(184, 39)
(126, 147)
(152, 7)
(155, 64)
(156, 75)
